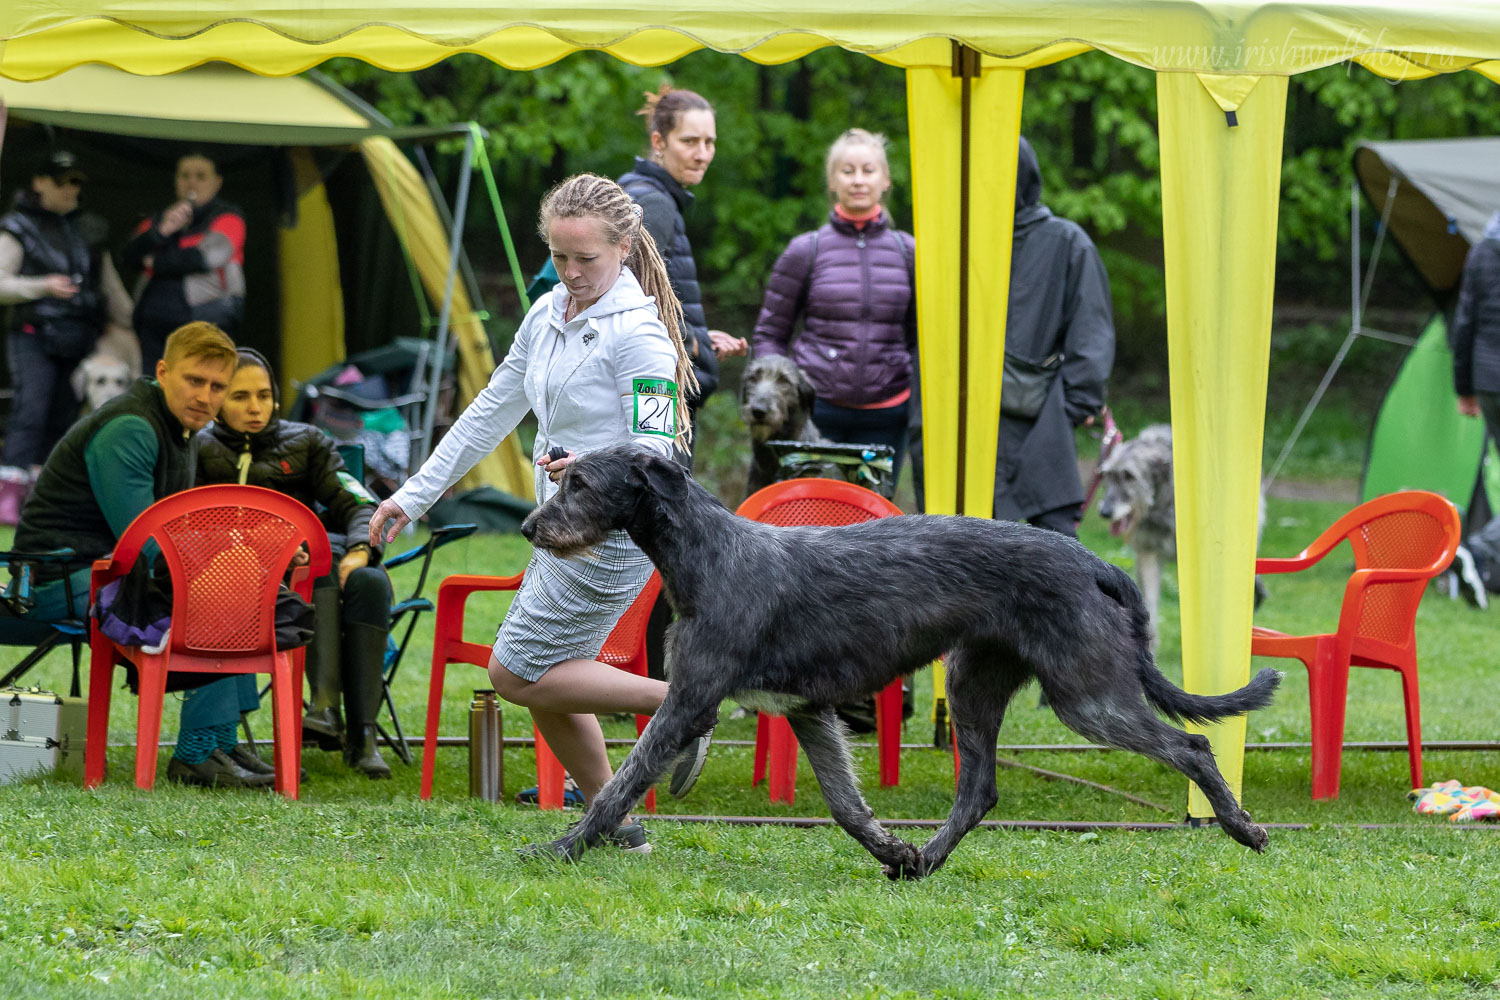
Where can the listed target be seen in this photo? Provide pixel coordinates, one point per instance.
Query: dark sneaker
(631, 838)
(218, 771)
(572, 795)
(689, 765)
(1470, 582)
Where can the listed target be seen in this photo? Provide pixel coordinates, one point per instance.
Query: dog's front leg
(677, 722)
(822, 737)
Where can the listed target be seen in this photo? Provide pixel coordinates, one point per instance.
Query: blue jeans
(52, 598)
(886, 426)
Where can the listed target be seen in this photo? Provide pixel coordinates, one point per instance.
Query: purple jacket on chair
(853, 290)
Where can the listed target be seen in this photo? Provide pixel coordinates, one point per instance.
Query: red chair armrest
(458, 587)
(1294, 564)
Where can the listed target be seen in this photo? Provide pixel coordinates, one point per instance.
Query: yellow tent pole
(403, 194)
(965, 124)
(312, 300)
(1220, 182)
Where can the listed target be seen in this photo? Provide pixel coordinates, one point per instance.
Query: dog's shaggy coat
(796, 620)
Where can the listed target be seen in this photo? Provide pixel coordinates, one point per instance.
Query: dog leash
(1112, 437)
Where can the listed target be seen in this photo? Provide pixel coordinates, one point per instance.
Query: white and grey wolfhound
(1140, 506)
(776, 403)
(797, 620)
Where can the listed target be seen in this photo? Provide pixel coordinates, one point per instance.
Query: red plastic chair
(819, 502)
(227, 548)
(1400, 542)
(624, 648)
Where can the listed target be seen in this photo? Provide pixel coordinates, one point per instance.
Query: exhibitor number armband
(654, 407)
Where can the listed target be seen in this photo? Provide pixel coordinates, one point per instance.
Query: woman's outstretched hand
(390, 511)
(555, 461)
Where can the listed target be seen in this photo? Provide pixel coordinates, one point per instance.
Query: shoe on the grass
(630, 838)
(572, 794)
(218, 771)
(256, 764)
(689, 765)
(1470, 581)
(250, 760)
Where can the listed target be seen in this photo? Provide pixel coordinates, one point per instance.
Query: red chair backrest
(1411, 530)
(628, 640)
(815, 502)
(227, 548)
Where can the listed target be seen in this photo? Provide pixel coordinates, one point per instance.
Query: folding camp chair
(410, 610)
(17, 628)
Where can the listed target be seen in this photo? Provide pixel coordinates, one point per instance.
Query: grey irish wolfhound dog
(1139, 504)
(776, 402)
(796, 620)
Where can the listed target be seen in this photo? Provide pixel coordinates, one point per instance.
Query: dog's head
(603, 491)
(1132, 475)
(776, 398)
(100, 378)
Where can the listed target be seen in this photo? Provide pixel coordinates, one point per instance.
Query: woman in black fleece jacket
(250, 444)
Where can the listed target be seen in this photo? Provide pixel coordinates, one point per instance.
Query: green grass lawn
(361, 890)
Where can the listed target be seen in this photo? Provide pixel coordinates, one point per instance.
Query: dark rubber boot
(363, 662)
(322, 724)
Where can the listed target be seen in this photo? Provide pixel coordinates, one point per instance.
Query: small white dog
(98, 379)
(108, 371)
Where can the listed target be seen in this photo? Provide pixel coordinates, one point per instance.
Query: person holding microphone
(191, 256)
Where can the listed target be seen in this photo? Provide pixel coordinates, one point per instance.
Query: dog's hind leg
(1124, 721)
(979, 689)
(822, 737)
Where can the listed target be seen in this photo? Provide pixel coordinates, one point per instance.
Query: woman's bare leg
(578, 742)
(564, 702)
(580, 686)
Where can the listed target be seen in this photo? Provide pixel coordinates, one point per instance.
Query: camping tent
(1222, 68)
(308, 241)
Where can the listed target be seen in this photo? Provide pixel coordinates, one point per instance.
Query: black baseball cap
(59, 165)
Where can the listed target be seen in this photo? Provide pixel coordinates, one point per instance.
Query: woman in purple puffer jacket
(851, 283)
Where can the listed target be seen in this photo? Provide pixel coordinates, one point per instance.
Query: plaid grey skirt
(566, 608)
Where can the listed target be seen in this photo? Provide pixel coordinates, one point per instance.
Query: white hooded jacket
(604, 377)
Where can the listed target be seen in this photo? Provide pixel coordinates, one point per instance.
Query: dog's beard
(566, 543)
(1122, 525)
(761, 433)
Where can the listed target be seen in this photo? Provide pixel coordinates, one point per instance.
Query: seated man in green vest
(111, 465)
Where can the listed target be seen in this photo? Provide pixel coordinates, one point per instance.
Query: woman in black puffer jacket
(250, 444)
(680, 125)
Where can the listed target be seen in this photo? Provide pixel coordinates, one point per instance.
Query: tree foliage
(1092, 120)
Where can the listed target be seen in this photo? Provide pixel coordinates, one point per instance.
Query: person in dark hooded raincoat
(1059, 308)
(1059, 304)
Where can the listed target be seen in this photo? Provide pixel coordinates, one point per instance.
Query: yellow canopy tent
(1222, 70)
(224, 104)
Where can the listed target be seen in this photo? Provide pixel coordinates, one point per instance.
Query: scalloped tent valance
(1400, 40)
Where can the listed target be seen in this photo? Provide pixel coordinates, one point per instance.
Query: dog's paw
(907, 866)
(1248, 833)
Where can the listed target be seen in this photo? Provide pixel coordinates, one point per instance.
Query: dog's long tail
(1171, 700)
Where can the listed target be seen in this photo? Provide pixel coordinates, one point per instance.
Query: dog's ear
(79, 379)
(656, 475)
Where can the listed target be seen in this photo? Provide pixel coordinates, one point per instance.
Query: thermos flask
(486, 767)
